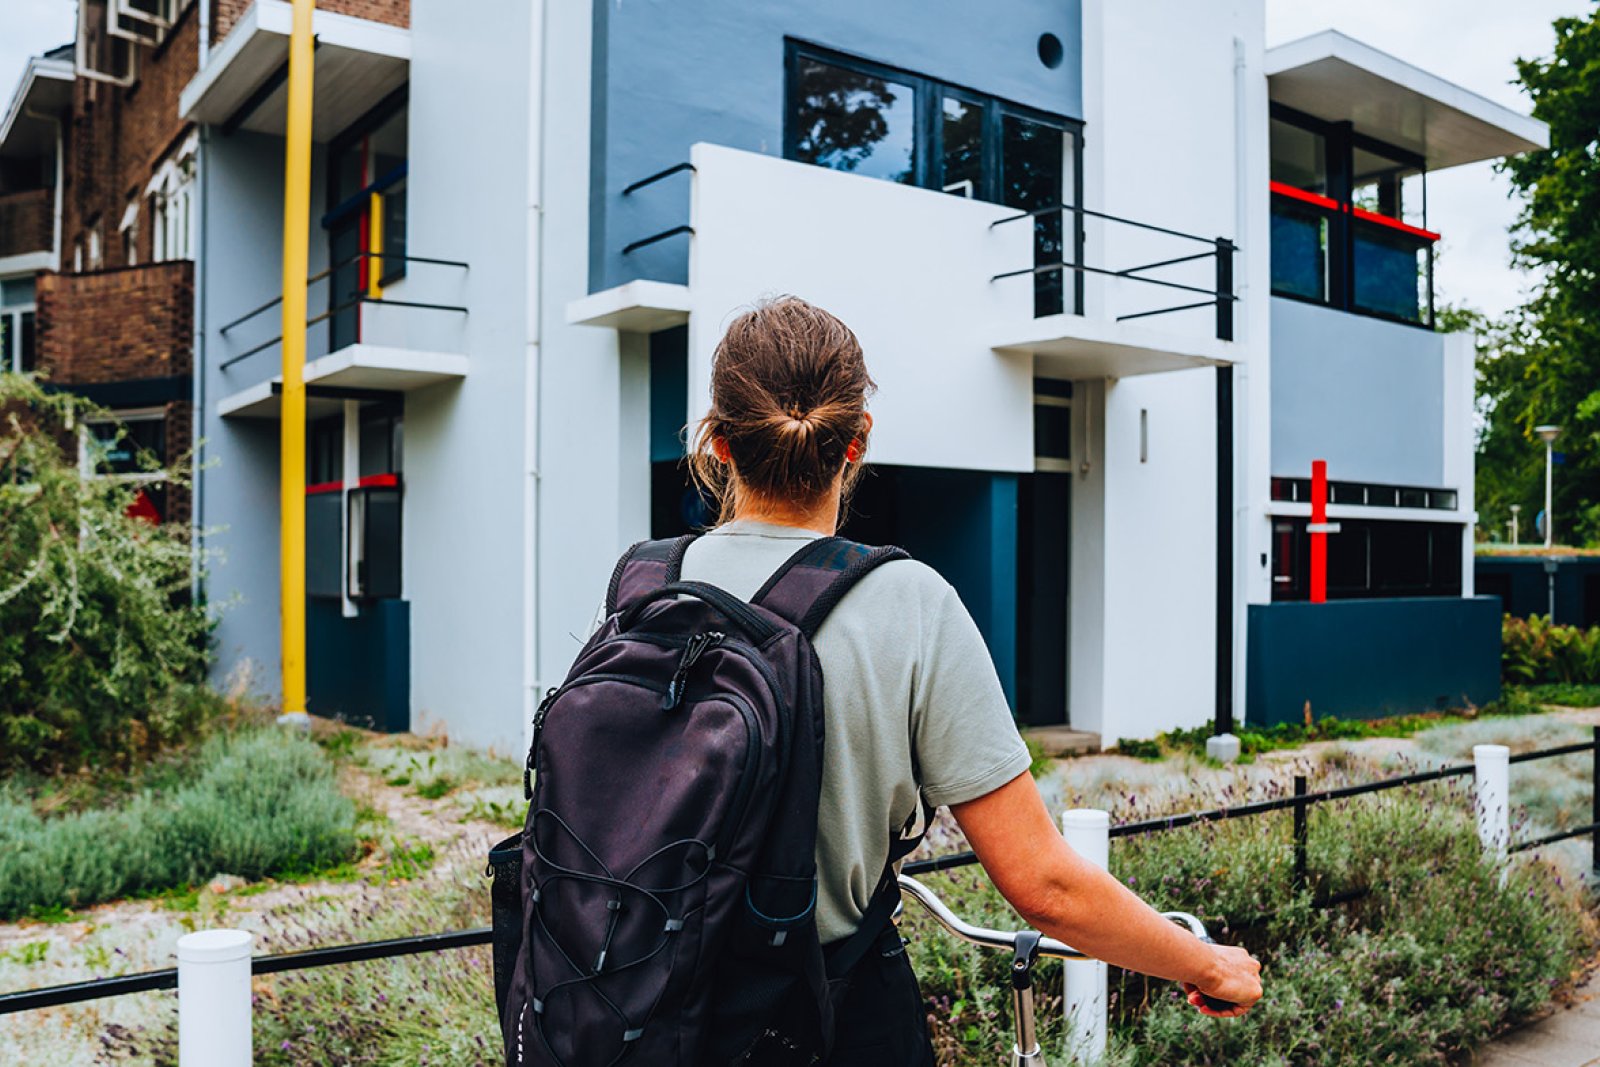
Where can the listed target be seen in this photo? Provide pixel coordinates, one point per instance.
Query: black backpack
(659, 907)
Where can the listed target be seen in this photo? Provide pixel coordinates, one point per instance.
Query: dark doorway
(1042, 575)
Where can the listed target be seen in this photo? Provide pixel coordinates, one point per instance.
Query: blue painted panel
(963, 524)
(667, 75)
(669, 392)
(359, 670)
(1363, 659)
(1523, 586)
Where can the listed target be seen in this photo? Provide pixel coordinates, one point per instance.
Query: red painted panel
(1319, 541)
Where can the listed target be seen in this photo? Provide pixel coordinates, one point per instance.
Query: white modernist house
(1114, 266)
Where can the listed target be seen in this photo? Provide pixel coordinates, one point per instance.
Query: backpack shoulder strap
(813, 580)
(644, 568)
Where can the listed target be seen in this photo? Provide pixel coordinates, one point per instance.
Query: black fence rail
(1300, 802)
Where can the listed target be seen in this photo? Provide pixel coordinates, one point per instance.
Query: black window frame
(1340, 140)
(928, 130)
(341, 208)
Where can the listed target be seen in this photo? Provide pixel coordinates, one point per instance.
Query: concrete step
(1058, 741)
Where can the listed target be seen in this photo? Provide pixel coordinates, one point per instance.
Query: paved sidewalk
(1569, 1038)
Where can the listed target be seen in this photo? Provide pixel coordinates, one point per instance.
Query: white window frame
(171, 193)
(86, 442)
(11, 360)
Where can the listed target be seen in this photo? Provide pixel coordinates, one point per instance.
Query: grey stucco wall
(667, 75)
(241, 254)
(1364, 394)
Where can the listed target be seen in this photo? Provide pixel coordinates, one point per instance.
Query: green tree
(1543, 364)
(99, 642)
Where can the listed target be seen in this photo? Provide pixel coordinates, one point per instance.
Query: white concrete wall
(1168, 142)
(589, 489)
(1460, 452)
(907, 269)
(465, 527)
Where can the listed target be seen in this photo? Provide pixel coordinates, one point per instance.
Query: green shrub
(1566, 694)
(261, 804)
(95, 624)
(1534, 650)
(1439, 956)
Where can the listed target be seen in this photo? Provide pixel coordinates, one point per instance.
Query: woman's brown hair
(789, 390)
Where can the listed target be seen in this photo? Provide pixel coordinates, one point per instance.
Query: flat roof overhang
(44, 89)
(634, 307)
(1339, 79)
(353, 372)
(244, 85)
(1076, 346)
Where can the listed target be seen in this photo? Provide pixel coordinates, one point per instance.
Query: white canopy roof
(1339, 79)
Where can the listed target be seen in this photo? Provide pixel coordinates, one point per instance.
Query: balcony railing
(367, 296)
(1220, 251)
(27, 222)
(1330, 252)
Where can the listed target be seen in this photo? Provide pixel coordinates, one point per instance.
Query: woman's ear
(719, 448)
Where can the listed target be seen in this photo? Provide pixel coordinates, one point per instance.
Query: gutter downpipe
(205, 33)
(533, 369)
(197, 369)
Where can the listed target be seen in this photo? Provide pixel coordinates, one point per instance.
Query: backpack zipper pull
(680, 678)
(533, 749)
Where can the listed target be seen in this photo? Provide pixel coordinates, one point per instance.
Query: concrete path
(1569, 1038)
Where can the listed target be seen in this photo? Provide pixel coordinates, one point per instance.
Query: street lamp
(1549, 435)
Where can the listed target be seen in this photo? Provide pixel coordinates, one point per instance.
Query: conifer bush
(99, 642)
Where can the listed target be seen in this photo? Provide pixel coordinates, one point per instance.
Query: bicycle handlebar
(987, 938)
(1048, 946)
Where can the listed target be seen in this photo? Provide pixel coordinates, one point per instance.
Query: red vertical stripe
(1319, 540)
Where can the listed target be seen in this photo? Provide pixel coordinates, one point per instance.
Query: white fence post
(1088, 831)
(214, 999)
(1492, 776)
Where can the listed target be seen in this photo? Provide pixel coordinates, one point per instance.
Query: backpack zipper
(691, 654)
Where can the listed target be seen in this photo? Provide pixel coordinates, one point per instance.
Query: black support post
(1301, 833)
(1594, 855)
(1225, 249)
(1224, 666)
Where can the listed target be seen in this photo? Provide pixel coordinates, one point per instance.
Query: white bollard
(1492, 776)
(214, 999)
(1088, 831)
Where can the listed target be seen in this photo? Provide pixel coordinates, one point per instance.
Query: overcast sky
(1470, 42)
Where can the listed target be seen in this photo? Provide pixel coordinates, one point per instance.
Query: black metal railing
(1220, 295)
(676, 168)
(1300, 803)
(355, 301)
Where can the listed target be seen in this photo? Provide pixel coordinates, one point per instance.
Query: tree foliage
(1543, 364)
(98, 639)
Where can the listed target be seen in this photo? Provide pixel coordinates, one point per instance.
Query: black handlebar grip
(1215, 1003)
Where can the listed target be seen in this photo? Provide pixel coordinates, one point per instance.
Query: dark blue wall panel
(1523, 585)
(1362, 659)
(359, 670)
(669, 74)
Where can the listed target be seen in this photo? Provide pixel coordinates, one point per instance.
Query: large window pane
(1299, 157)
(1299, 249)
(1033, 176)
(1391, 271)
(847, 120)
(25, 343)
(962, 122)
(1386, 186)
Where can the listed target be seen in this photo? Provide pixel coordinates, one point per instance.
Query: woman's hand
(1237, 982)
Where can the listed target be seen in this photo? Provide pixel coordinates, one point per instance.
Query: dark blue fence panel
(1362, 659)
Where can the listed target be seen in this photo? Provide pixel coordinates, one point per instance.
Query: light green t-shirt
(911, 698)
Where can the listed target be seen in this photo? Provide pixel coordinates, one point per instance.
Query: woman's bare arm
(1064, 895)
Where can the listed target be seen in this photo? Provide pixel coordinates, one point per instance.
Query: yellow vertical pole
(375, 246)
(292, 443)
